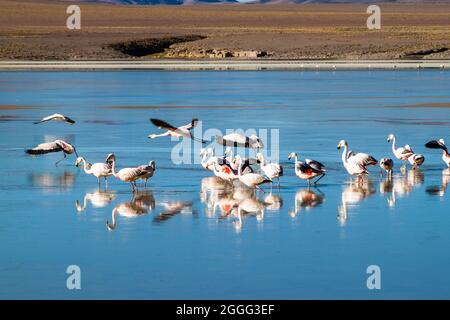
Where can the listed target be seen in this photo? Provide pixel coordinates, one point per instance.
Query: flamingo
(180, 132)
(56, 117)
(416, 160)
(308, 169)
(401, 153)
(306, 199)
(98, 170)
(148, 170)
(55, 146)
(251, 180)
(240, 140)
(233, 161)
(440, 144)
(224, 171)
(356, 164)
(126, 174)
(271, 170)
(387, 164)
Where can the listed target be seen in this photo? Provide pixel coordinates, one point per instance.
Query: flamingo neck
(240, 168)
(296, 164)
(205, 155)
(85, 167)
(114, 172)
(393, 145)
(344, 154)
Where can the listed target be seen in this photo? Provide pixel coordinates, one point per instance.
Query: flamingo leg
(315, 182)
(56, 163)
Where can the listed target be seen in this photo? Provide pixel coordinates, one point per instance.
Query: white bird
(440, 144)
(55, 146)
(56, 117)
(148, 170)
(387, 164)
(240, 140)
(355, 164)
(98, 170)
(180, 132)
(208, 158)
(309, 169)
(126, 174)
(233, 161)
(251, 180)
(223, 170)
(401, 153)
(271, 170)
(416, 160)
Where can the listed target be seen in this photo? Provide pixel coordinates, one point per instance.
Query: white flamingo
(440, 144)
(387, 164)
(356, 164)
(251, 180)
(98, 169)
(224, 171)
(148, 170)
(180, 132)
(51, 147)
(416, 160)
(309, 169)
(56, 117)
(126, 174)
(401, 153)
(271, 170)
(233, 161)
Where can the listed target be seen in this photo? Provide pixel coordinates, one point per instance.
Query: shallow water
(180, 240)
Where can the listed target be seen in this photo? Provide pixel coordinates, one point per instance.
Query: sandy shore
(225, 65)
(36, 30)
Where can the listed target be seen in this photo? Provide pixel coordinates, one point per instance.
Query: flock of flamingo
(231, 168)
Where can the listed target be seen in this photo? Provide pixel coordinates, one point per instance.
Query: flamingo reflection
(306, 199)
(352, 195)
(98, 199)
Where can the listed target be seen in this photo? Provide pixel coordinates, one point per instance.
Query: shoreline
(238, 65)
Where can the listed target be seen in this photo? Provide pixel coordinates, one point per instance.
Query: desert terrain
(36, 30)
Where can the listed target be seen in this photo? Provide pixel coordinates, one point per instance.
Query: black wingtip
(433, 144)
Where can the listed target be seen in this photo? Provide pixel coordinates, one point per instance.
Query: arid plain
(36, 30)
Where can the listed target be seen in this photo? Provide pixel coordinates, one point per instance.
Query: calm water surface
(179, 239)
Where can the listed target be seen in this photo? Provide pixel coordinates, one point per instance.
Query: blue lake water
(175, 240)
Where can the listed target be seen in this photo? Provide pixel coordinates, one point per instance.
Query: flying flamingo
(148, 170)
(98, 170)
(271, 170)
(180, 132)
(56, 117)
(309, 169)
(126, 174)
(240, 140)
(251, 180)
(55, 146)
(356, 164)
(387, 164)
(440, 144)
(401, 153)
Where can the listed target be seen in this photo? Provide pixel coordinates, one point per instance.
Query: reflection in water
(401, 185)
(354, 193)
(141, 203)
(236, 202)
(440, 190)
(307, 199)
(63, 180)
(172, 208)
(98, 199)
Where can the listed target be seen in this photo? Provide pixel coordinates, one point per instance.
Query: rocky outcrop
(215, 53)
